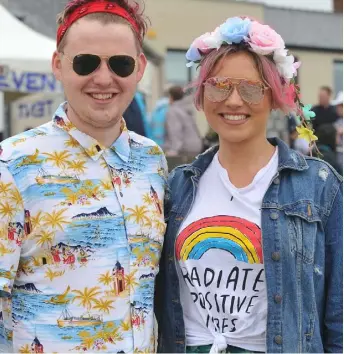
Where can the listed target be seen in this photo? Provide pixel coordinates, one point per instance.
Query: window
(176, 71)
(338, 76)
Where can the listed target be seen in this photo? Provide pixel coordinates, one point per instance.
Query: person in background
(157, 120)
(141, 101)
(327, 146)
(182, 136)
(338, 103)
(298, 144)
(324, 112)
(135, 116)
(210, 139)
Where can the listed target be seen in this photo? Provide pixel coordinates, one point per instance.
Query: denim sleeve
(333, 331)
(160, 278)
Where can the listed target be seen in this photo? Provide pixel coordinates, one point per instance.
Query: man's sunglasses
(218, 89)
(86, 64)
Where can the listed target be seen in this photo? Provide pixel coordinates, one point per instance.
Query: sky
(316, 5)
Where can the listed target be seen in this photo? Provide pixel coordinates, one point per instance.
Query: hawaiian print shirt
(81, 231)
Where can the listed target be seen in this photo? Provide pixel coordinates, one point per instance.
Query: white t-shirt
(221, 270)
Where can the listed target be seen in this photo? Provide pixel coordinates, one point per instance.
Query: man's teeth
(102, 96)
(233, 117)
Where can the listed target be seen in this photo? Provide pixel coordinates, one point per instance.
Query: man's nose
(103, 75)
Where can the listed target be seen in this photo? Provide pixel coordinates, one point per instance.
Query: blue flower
(235, 29)
(193, 54)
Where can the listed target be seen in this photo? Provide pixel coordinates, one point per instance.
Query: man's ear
(141, 66)
(56, 65)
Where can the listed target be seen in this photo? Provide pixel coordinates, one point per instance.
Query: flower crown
(263, 40)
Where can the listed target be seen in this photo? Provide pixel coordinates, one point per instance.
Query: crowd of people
(103, 249)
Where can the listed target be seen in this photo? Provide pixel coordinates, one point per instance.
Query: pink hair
(267, 70)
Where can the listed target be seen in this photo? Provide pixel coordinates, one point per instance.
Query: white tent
(22, 48)
(25, 57)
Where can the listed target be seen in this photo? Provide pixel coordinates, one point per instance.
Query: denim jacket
(302, 221)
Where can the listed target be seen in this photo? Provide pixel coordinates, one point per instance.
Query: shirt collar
(91, 146)
(288, 159)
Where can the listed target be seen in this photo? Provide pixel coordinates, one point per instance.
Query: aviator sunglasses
(86, 64)
(218, 89)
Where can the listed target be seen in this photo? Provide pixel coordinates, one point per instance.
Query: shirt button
(274, 215)
(278, 299)
(278, 340)
(277, 181)
(276, 256)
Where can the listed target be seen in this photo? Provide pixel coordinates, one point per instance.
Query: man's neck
(106, 136)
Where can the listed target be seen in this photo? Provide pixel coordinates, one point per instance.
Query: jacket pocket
(303, 222)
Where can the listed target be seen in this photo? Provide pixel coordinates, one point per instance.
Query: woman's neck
(244, 160)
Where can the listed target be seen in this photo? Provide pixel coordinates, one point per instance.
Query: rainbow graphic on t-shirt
(232, 234)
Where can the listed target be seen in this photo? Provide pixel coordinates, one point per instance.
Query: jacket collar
(91, 146)
(287, 159)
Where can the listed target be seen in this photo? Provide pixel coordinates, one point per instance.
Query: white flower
(214, 39)
(284, 63)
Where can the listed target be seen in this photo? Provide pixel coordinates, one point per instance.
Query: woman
(252, 259)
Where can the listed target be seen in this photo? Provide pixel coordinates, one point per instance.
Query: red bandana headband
(92, 8)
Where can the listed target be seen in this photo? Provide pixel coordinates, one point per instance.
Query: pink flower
(203, 45)
(197, 48)
(200, 43)
(263, 39)
(290, 95)
(297, 64)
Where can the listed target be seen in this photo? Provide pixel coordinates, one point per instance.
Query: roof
(307, 29)
(299, 28)
(33, 50)
(40, 18)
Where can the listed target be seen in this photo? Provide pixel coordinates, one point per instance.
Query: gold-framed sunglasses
(218, 89)
(86, 64)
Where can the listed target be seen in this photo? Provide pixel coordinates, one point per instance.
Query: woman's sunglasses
(218, 89)
(86, 64)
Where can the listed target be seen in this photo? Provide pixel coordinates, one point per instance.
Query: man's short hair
(327, 89)
(176, 93)
(133, 7)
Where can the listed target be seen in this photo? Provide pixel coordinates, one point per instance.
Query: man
(338, 103)
(182, 137)
(325, 112)
(75, 200)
